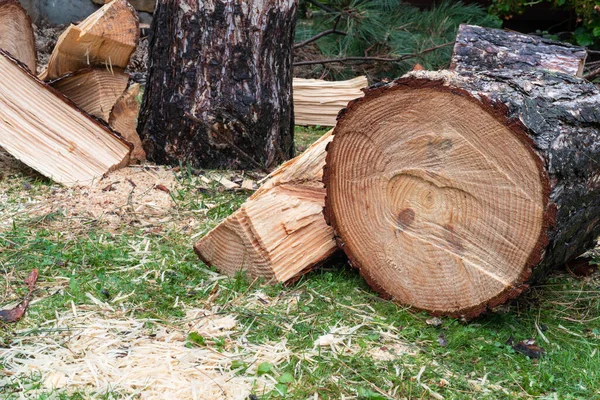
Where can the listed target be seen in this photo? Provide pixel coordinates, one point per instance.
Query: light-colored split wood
(94, 90)
(280, 232)
(16, 33)
(106, 38)
(50, 134)
(123, 119)
(318, 102)
(437, 201)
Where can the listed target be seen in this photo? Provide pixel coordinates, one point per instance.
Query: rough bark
(279, 233)
(219, 84)
(318, 102)
(476, 185)
(479, 49)
(95, 90)
(123, 119)
(48, 132)
(16, 33)
(107, 38)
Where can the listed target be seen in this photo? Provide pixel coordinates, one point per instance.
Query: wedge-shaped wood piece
(280, 232)
(479, 49)
(452, 192)
(123, 119)
(106, 38)
(318, 102)
(16, 33)
(95, 90)
(46, 131)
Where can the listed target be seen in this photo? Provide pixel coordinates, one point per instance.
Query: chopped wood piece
(106, 38)
(248, 184)
(16, 33)
(452, 192)
(280, 232)
(49, 133)
(123, 119)
(95, 90)
(224, 181)
(479, 49)
(318, 102)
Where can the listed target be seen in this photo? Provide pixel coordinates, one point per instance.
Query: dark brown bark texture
(562, 118)
(479, 49)
(219, 91)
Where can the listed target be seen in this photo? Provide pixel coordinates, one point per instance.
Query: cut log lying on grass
(318, 102)
(95, 90)
(40, 127)
(106, 38)
(478, 49)
(279, 233)
(123, 119)
(446, 202)
(16, 33)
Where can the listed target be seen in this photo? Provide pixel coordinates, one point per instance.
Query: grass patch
(344, 339)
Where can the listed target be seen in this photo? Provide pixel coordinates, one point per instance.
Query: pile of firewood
(450, 191)
(76, 120)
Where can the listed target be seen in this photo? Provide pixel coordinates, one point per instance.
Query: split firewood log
(280, 232)
(123, 119)
(139, 5)
(48, 132)
(16, 33)
(453, 191)
(479, 49)
(318, 102)
(106, 38)
(95, 90)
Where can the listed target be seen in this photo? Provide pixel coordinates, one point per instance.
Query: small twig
(317, 37)
(591, 75)
(371, 59)
(321, 6)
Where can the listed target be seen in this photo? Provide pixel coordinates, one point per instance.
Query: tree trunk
(279, 233)
(451, 192)
(479, 49)
(219, 91)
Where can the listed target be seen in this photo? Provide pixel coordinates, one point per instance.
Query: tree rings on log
(437, 197)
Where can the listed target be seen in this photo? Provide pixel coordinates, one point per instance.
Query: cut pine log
(94, 90)
(106, 38)
(452, 192)
(16, 33)
(280, 232)
(318, 102)
(479, 49)
(123, 119)
(46, 131)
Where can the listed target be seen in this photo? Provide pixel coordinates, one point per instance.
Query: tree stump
(451, 192)
(219, 91)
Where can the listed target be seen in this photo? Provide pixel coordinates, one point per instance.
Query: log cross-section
(16, 33)
(452, 192)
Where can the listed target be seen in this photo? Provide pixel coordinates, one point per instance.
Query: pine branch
(318, 36)
(372, 59)
(322, 6)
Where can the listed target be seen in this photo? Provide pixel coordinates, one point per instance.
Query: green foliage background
(386, 28)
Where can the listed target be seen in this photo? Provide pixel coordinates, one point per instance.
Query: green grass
(475, 362)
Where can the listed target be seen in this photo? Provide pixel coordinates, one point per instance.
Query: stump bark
(452, 192)
(219, 91)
